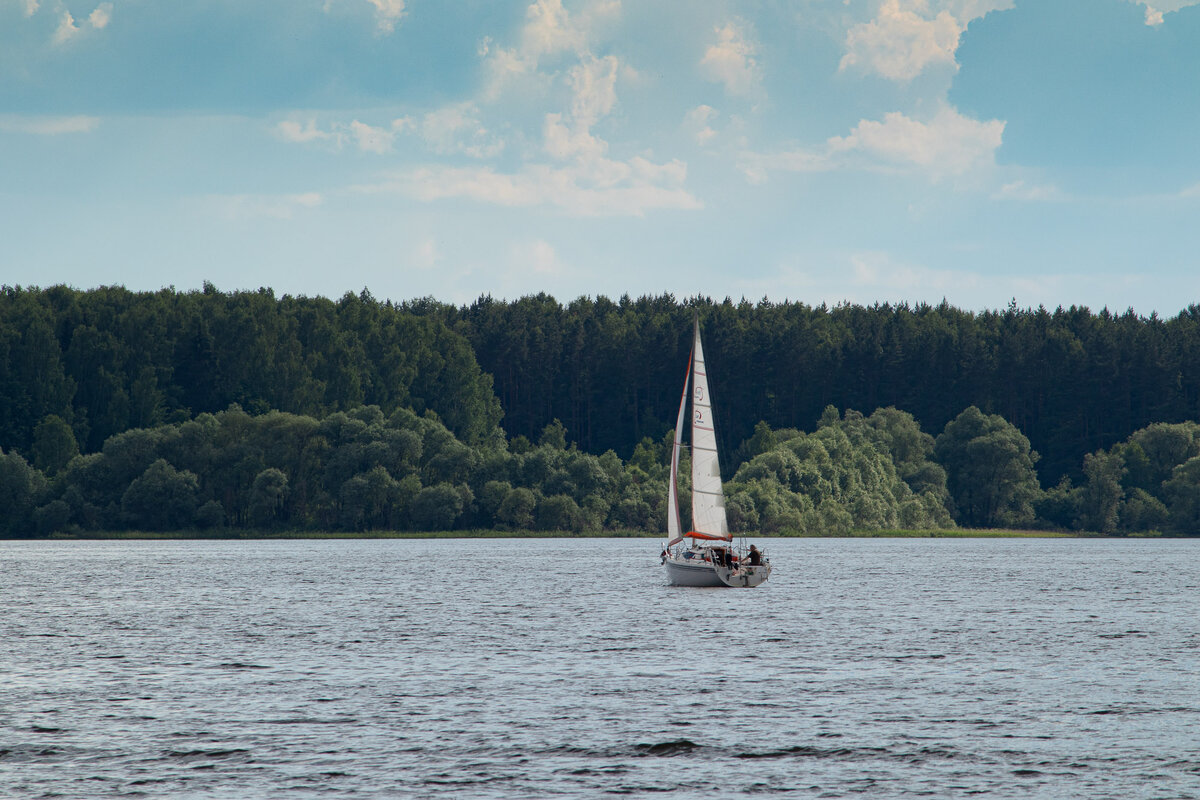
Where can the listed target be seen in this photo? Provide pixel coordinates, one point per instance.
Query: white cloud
(256, 206)
(549, 31)
(457, 129)
(563, 141)
(30, 7)
(387, 14)
(947, 144)
(451, 130)
(1155, 12)
(537, 256)
(582, 179)
(67, 29)
(572, 172)
(47, 126)
(593, 89)
(731, 61)
(293, 131)
(606, 188)
(900, 42)
(100, 18)
(593, 86)
(370, 139)
(697, 122)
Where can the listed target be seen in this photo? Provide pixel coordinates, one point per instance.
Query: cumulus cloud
(593, 96)
(572, 171)
(697, 122)
(47, 126)
(457, 129)
(946, 144)
(100, 18)
(292, 131)
(68, 29)
(900, 43)
(387, 14)
(30, 7)
(731, 61)
(371, 139)
(549, 31)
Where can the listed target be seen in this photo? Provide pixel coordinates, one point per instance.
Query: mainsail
(708, 499)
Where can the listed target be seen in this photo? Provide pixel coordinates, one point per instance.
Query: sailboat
(707, 557)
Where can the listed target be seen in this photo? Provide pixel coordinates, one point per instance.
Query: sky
(825, 151)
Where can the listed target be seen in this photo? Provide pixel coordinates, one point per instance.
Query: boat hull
(744, 577)
(696, 572)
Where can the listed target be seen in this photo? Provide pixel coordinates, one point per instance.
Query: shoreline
(952, 533)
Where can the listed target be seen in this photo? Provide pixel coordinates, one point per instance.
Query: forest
(233, 412)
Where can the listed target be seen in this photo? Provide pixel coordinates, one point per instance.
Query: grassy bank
(969, 533)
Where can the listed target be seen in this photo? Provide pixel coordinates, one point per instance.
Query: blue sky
(859, 150)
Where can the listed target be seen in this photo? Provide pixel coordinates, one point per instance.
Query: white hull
(697, 572)
(745, 577)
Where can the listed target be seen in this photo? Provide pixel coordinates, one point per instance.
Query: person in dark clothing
(755, 556)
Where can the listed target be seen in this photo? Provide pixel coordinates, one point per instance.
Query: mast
(674, 526)
(708, 497)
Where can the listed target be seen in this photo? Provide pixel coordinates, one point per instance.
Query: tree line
(1071, 380)
(245, 410)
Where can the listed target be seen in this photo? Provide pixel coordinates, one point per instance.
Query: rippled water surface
(543, 668)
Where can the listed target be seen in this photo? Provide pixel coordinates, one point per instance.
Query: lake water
(567, 668)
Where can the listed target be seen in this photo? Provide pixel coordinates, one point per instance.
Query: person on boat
(754, 556)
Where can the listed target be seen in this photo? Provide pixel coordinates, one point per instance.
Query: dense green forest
(244, 410)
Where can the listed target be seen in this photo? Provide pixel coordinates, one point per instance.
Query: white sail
(674, 527)
(708, 498)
